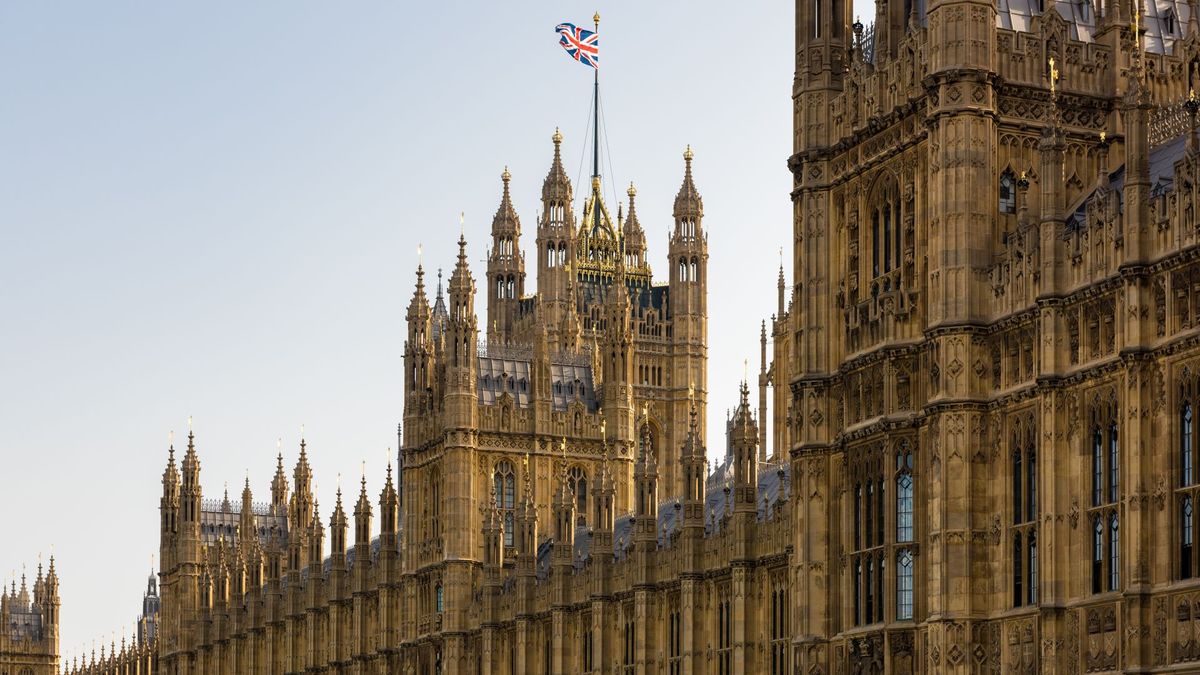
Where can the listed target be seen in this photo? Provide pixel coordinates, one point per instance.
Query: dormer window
(1169, 23)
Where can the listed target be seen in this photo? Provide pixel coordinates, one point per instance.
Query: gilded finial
(632, 191)
(557, 137)
(596, 18)
(604, 429)
(688, 154)
(562, 445)
(596, 183)
(1103, 140)
(506, 175)
(691, 392)
(1053, 77)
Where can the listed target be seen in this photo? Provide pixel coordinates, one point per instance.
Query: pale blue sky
(213, 209)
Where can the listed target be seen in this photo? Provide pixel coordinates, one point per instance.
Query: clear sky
(213, 209)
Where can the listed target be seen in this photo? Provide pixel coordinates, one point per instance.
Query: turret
(634, 238)
(389, 513)
(419, 357)
(745, 455)
(169, 506)
(693, 464)
(556, 231)
(564, 518)
(300, 510)
(617, 357)
(247, 527)
(362, 520)
(316, 542)
(337, 530)
(279, 489)
(461, 351)
(688, 247)
(506, 269)
(527, 520)
(823, 39)
(645, 478)
(493, 541)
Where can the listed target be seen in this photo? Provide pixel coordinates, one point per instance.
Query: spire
(419, 303)
(506, 219)
(362, 515)
(632, 226)
(337, 525)
(688, 204)
(279, 486)
(557, 186)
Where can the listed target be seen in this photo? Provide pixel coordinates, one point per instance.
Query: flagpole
(596, 109)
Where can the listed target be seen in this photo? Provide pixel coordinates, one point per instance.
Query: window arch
(1008, 192)
(885, 233)
(504, 483)
(578, 483)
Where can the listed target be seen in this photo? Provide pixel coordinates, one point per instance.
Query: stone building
(984, 377)
(29, 640)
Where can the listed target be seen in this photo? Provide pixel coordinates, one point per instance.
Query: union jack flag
(582, 45)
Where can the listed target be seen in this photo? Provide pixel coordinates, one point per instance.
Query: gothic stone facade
(29, 625)
(985, 377)
(991, 347)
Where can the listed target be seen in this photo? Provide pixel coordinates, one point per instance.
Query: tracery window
(675, 639)
(578, 483)
(1008, 193)
(504, 484)
(885, 231)
(1024, 475)
(904, 533)
(1187, 486)
(779, 632)
(724, 637)
(1105, 508)
(868, 546)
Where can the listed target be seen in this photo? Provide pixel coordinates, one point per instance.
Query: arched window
(577, 482)
(886, 239)
(904, 498)
(505, 487)
(1008, 193)
(438, 599)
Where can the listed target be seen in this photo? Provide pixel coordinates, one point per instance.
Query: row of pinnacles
(29, 624)
(129, 657)
(267, 599)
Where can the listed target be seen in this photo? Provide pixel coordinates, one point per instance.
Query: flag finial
(596, 18)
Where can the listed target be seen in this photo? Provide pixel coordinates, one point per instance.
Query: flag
(582, 45)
